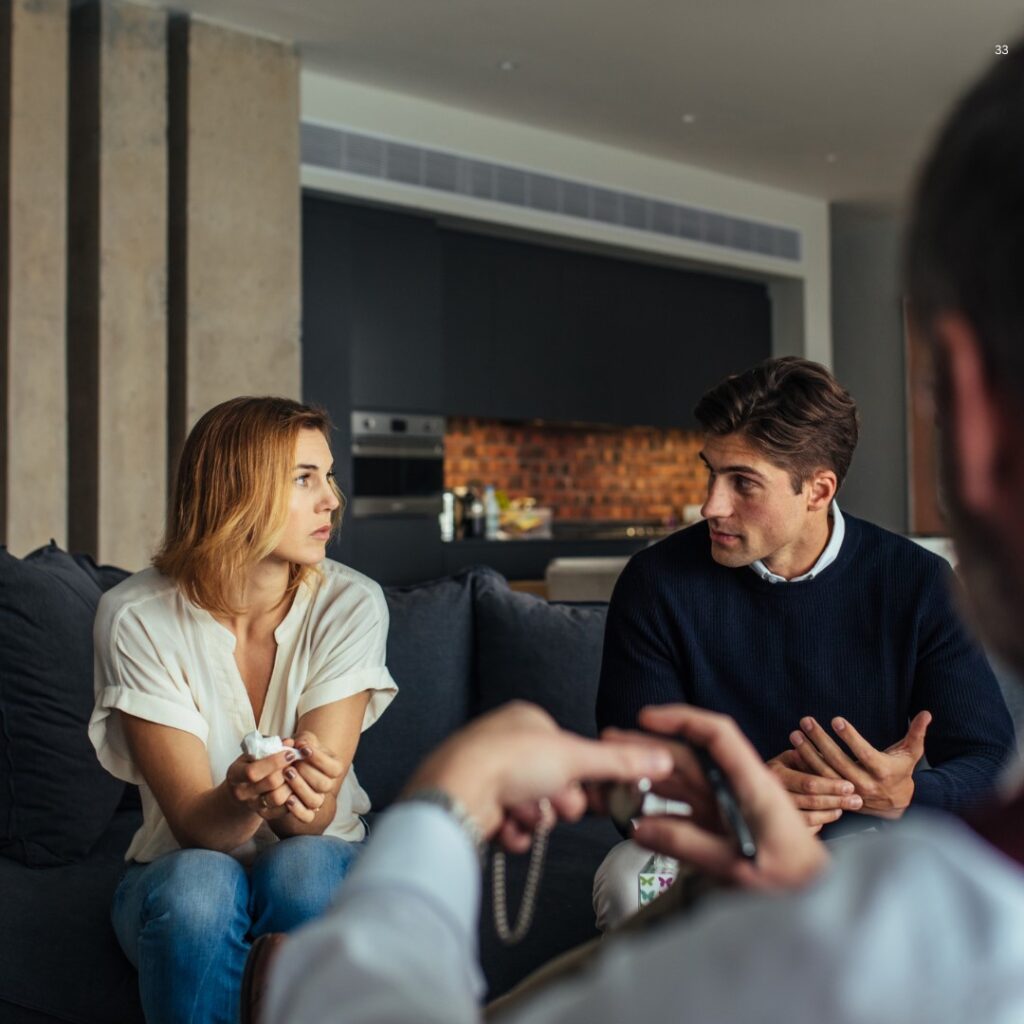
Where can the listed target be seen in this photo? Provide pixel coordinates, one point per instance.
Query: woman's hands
(295, 782)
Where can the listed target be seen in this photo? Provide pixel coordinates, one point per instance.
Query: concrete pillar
(117, 295)
(235, 220)
(33, 211)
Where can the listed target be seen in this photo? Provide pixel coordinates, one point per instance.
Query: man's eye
(743, 484)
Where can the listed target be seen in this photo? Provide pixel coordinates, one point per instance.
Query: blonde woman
(240, 625)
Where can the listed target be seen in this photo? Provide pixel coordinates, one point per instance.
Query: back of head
(965, 244)
(792, 410)
(964, 266)
(230, 501)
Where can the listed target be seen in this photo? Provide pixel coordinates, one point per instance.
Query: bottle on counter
(475, 517)
(446, 518)
(492, 513)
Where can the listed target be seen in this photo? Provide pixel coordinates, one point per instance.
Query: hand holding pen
(743, 828)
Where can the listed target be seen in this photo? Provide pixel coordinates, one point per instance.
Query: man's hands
(500, 766)
(883, 779)
(787, 853)
(503, 764)
(820, 798)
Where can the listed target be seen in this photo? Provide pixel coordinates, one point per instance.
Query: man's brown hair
(792, 410)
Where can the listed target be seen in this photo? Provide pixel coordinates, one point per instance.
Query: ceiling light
(508, 65)
(831, 158)
(689, 118)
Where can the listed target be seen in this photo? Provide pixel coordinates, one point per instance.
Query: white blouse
(161, 658)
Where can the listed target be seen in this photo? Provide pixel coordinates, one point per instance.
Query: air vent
(336, 149)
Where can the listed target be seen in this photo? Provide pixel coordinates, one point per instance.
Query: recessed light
(831, 158)
(508, 65)
(689, 118)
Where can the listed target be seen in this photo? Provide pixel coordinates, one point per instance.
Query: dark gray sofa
(456, 646)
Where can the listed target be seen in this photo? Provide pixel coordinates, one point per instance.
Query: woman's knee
(198, 890)
(295, 879)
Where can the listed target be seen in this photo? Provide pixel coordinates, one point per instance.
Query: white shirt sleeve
(131, 676)
(400, 943)
(920, 928)
(349, 651)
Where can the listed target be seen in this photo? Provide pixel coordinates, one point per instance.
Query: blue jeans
(187, 919)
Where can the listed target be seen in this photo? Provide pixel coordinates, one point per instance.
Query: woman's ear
(973, 420)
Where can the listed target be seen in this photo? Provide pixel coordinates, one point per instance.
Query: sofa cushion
(430, 655)
(59, 957)
(549, 654)
(55, 798)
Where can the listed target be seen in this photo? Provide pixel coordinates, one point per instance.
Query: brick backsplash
(632, 473)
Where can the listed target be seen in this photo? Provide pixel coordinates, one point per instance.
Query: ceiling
(828, 98)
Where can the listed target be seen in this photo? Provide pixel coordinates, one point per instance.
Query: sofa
(457, 646)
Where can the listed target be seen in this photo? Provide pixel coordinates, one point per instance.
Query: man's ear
(821, 489)
(973, 423)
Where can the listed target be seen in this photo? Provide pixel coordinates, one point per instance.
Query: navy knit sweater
(875, 637)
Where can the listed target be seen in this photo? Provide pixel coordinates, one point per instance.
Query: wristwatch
(443, 799)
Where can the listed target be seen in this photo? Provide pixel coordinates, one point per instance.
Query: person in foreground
(240, 625)
(920, 924)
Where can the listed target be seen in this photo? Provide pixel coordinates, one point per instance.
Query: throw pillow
(430, 656)
(549, 654)
(55, 798)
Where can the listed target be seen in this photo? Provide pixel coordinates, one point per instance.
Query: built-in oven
(397, 464)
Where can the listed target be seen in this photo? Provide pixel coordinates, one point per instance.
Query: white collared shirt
(827, 557)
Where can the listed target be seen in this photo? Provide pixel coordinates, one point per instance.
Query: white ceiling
(776, 86)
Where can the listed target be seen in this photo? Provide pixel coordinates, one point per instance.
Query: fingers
(830, 751)
(810, 783)
(309, 796)
(863, 751)
(816, 819)
(914, 740)
(722, 737)
(810, 757)
(685, 841)
(616, 761)
(317, 756)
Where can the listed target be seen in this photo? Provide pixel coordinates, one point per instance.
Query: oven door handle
(381, 451)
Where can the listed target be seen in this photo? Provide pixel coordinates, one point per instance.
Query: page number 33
(1002, 49)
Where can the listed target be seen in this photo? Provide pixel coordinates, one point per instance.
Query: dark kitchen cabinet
(395, 312)
(536, 332)
(402, 314)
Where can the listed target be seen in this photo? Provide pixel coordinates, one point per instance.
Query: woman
(240, 625)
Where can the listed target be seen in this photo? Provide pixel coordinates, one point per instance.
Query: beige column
(235, 219)
(33, 194)
(117, 297)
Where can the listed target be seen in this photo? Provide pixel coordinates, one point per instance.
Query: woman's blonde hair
(231, 497)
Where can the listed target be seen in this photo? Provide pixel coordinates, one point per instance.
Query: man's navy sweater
(874, 637)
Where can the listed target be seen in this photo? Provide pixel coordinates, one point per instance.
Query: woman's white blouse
(162, 658)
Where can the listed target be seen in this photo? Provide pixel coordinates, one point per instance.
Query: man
(791, 617)
(920, 924)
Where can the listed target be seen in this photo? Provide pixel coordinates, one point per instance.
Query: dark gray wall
(867, 338)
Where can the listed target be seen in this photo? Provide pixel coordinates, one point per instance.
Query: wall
(631, 474)
(869, 358)
(146, 269)
(803, 323)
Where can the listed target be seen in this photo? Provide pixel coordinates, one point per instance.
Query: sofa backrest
(430, 657)
(465, 644)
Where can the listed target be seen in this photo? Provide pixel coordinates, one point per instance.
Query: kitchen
(451, 360)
